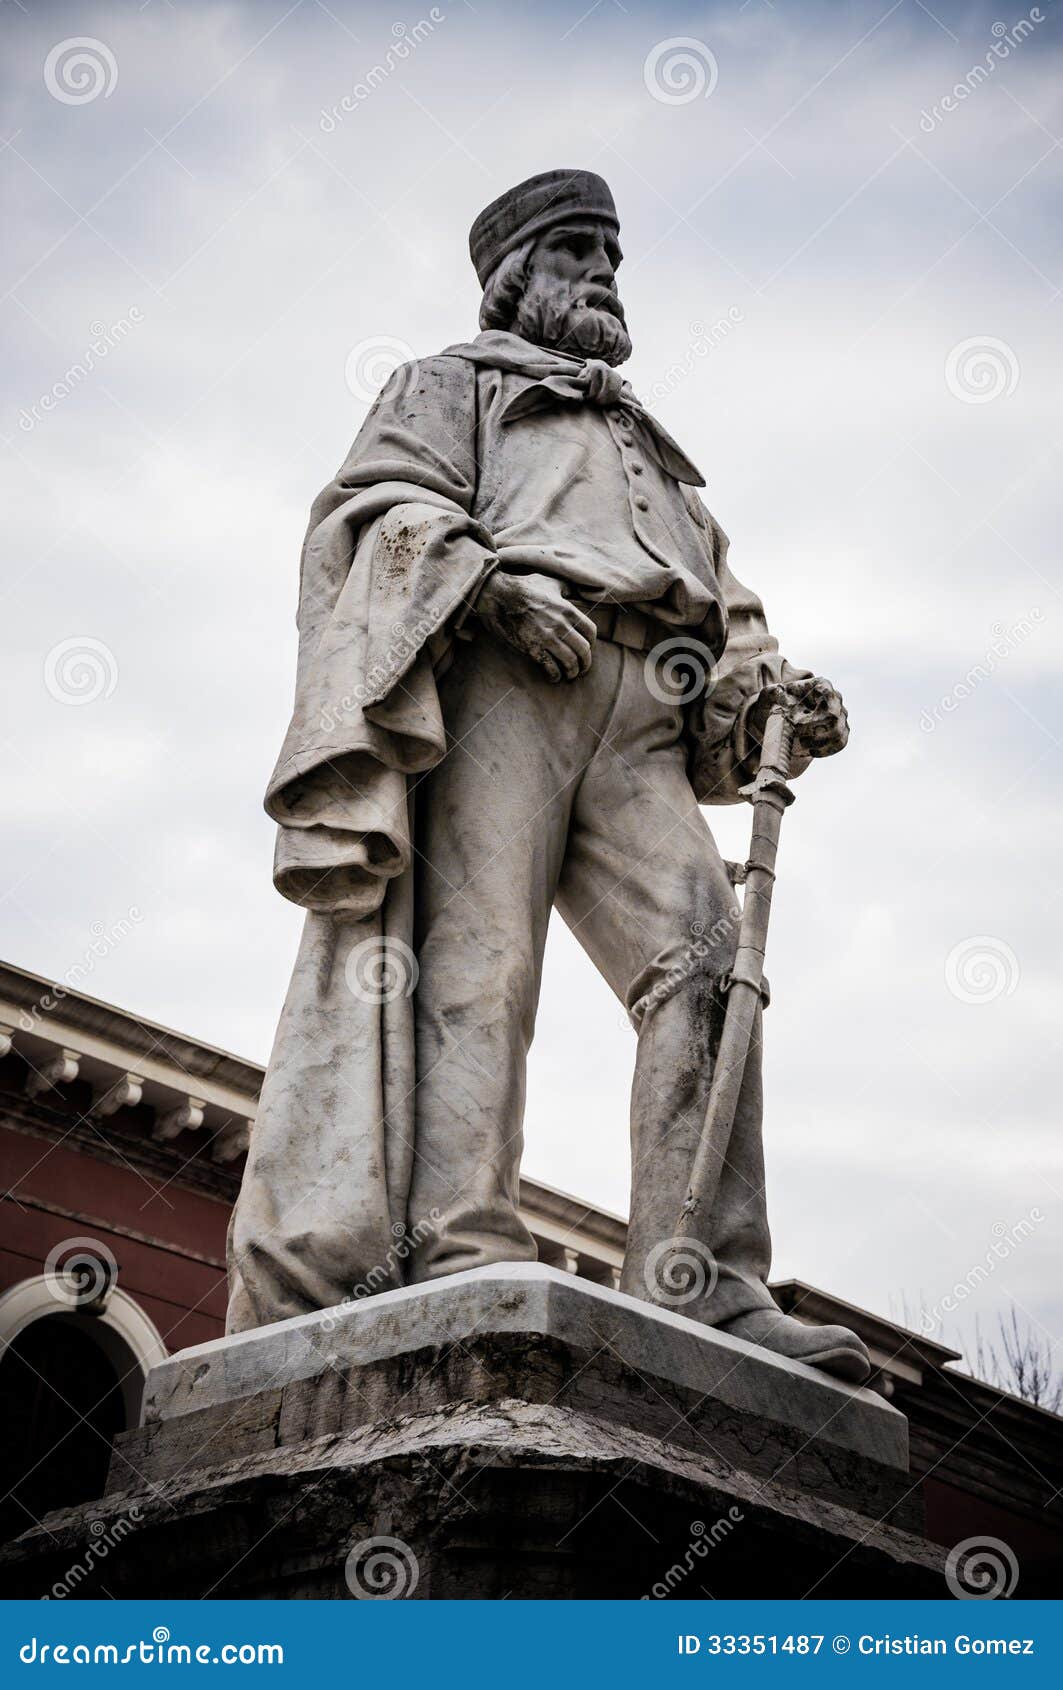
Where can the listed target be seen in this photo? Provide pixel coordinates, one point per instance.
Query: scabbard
(770, 796)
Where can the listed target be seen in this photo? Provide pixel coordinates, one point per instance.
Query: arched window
(69, 1383)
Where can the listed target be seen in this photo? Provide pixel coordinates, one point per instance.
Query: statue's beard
(574, 320)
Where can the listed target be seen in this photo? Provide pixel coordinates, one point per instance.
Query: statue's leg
(645, 891)
(668, 1103)
(492, 823)
(725, 1284)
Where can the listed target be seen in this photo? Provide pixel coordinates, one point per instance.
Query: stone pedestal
(510, 1432)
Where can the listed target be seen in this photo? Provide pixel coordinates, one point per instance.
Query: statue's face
(570, 300)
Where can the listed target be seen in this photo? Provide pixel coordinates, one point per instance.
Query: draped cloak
(393, 560)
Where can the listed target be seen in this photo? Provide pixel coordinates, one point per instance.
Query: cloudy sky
(843, 280)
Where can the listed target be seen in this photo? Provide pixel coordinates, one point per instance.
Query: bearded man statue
(498, 593)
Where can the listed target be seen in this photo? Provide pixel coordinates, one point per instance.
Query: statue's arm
(725, 725)
(416, 447)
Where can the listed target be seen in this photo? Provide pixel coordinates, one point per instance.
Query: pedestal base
(511, 1432)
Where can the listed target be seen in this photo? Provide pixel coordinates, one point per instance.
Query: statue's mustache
(600, 298)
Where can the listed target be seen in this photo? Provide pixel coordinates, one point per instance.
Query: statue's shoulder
(452, 364)
(444, 379)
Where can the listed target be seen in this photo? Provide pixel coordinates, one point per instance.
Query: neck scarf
(558, 379)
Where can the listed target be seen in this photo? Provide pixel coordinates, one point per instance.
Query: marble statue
(524, 665)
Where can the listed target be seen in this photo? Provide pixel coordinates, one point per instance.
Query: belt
(622, 625)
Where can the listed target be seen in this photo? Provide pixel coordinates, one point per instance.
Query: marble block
(531, 1298)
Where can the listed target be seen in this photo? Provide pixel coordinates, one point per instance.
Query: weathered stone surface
(514, 1499)
(529, 1298)
(541, 1438)
(488, 1370)
(194, 1442)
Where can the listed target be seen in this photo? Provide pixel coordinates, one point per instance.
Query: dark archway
(61, 1404)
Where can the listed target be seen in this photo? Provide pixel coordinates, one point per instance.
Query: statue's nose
(602, 273)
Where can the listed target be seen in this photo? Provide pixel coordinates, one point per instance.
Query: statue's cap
(532, 206)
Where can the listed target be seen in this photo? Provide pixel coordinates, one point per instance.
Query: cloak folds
(393, 560)
(391, 563)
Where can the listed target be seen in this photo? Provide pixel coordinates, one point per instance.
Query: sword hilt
(776, 751)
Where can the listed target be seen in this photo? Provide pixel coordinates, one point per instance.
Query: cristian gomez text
(812, 1643)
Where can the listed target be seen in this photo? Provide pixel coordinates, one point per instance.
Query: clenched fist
(532, 614)
(820, 719)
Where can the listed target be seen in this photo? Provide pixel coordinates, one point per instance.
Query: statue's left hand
(821, 720)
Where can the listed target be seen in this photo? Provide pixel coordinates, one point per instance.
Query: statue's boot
(833, 1348)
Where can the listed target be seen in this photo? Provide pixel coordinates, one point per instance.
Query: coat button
(635, 467)
(642, 504)
(627, 439)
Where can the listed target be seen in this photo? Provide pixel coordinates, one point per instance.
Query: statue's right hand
(532, 614)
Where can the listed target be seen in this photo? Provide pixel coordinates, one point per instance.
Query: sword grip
(778, 744)
(776, 750)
